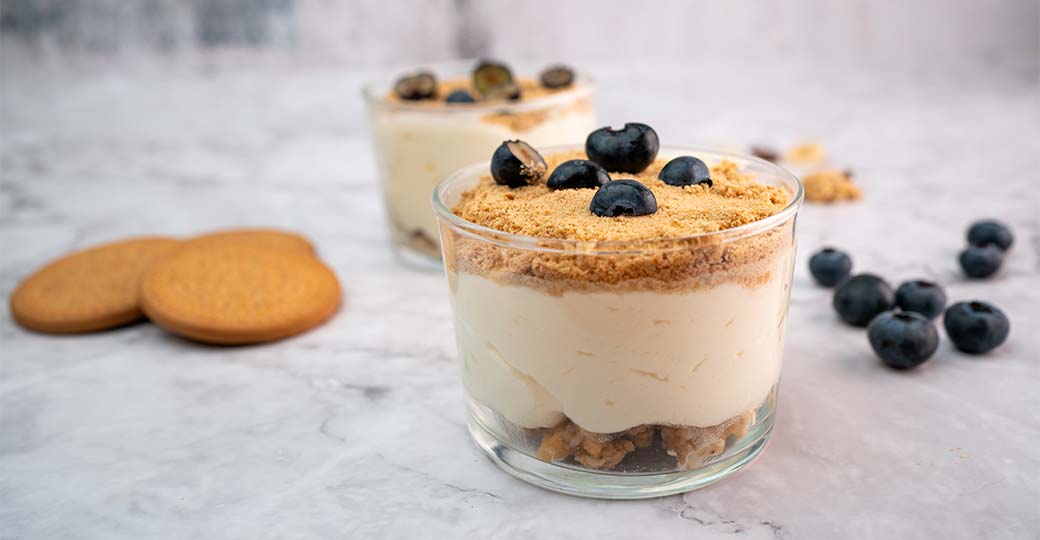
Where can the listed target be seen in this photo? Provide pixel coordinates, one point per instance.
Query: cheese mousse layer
(687, 332)
(613, 361)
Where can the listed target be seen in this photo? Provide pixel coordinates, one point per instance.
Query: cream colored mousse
(685, 339)
(421, 143)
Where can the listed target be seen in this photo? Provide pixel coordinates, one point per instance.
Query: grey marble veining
(356, 430)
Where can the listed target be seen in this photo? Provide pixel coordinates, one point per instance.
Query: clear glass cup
(417, 144)
(621, 369)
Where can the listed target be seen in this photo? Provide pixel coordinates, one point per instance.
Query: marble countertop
(356, 430)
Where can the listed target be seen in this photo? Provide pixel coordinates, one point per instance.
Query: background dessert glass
(418, 143)
(621, 369)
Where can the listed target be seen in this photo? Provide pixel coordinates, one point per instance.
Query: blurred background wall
(954, 39)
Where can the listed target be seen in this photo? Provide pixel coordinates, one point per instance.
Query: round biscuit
(259, 238)
(238, 294)
(89, 290)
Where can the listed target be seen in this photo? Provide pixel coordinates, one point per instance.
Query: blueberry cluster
(493, 81)
(899, 323)
(988, 240)
(630, 149)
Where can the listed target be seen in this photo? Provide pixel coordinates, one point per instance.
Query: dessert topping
(494, 79)
(685, 171)
(460, 96)
(629, 149)
(419, 86)
(578, 174)
(516, 164)
(623, 198)
(558, 76)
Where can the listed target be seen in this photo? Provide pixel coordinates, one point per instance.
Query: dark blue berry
(629, 149)
(980, 262)
(685, 171)
(490, 78)
(577, 174)
(623, 197)
(976, 327)
(829, 266)
(460, 96)
(422, 85)
(557, 77)
(861, 298)
(505, 92)
(516, 164)
(989, 231)
(922, 297)
(903, 340)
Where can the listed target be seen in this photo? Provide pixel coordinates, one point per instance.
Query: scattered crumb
(830, 185)
(806, 154)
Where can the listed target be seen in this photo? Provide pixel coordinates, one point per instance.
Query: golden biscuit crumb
(830, 185)
(806, 154)
(691, 446)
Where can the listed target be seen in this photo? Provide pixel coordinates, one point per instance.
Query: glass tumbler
(418, 143)
(621, 369)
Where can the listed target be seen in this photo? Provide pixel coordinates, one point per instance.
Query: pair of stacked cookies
(228, 287)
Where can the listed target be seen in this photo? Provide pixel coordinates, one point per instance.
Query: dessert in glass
(426, 124)
(620, 309)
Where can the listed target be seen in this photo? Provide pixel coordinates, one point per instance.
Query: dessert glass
(621, 369)
(418, 143)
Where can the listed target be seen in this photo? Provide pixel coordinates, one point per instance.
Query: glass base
(415, 249)
(416, 259)
(572, 480)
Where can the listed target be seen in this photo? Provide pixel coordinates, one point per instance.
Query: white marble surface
(356, 430)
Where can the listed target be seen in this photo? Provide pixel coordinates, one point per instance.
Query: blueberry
(976, 327)
(490, 76)
(989, 231)
(980, 262)
(419, 86)
(861, 298)
(623, 197)
(685, 171)
(460, 96)
(629, 149)
(902, 339)
(516, 164)
(557, 77)
(577, 174)
(504, 92)
(922, 297)
(829, 266)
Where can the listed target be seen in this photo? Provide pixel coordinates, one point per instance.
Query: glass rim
(604, 247)
(374, 92)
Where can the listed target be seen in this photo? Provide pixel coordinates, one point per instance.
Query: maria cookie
(238, 294)
(90, 290)
(257, 238)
